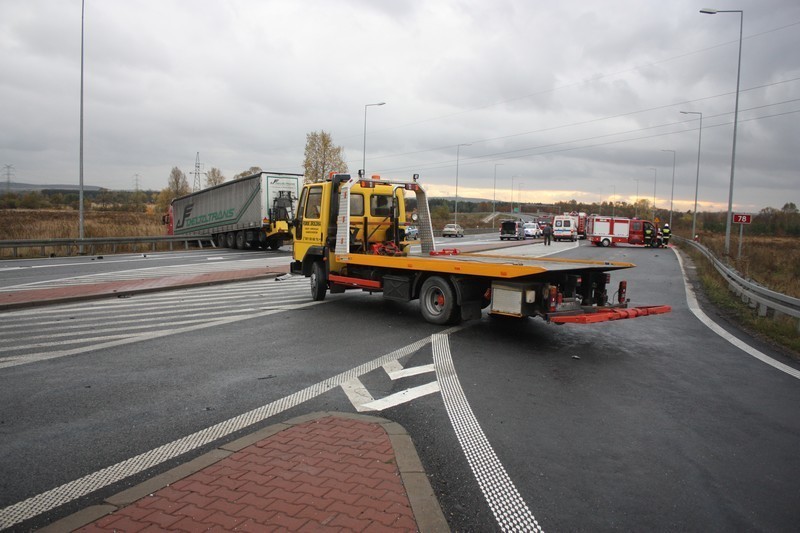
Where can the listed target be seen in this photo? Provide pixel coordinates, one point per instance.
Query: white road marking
(502, 496)
(399, 373)
(46, 501)
(694, 307)
(357, 393)
(401, 397)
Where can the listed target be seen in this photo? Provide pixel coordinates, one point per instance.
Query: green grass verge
(781, 331)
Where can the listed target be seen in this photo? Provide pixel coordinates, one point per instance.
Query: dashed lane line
(502, 496)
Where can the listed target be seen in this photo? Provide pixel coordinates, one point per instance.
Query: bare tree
(214, 177)
(322, 157)
(177, 184)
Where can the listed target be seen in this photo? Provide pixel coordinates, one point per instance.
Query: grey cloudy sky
(573, 99)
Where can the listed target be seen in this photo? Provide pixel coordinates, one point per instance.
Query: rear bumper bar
(604, 314)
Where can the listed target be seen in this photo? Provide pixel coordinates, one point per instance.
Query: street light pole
(494, 194)
(364, 152)
(671, 194)
(735, 120)
(697, 177)
(636, 205)
(655, 180)
(80, 150)
(512, 191)
(458, 155)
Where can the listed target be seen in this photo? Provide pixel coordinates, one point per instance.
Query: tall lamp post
(671, 194)
(458, 156)
(735, 119)
(494, 194)
(655, 180)
(364, 152)
(80, 149)
(636, 205)
(697, 177)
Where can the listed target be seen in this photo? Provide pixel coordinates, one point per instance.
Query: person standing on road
(666, 233)
(547, 232)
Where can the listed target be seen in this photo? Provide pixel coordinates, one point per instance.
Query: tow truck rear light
(411, 187)
(552, 298)
(622, 293)
(366, 184)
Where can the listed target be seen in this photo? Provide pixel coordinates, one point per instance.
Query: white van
(565, 227)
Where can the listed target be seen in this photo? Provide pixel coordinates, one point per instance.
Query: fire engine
(581, 217)
(605, 231)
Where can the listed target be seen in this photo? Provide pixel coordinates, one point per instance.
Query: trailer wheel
(319, 285)
(230, 239)
(241, 243)
(437, 301)
(606, 243)
(220, 240)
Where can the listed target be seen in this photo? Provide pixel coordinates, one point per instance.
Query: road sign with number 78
(742, 218)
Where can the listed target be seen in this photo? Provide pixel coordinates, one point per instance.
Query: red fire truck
(605, 231)
(581, 218)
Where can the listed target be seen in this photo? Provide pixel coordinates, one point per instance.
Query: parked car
(511, 229)
(532, 230)
(452, 230)
(412, 233)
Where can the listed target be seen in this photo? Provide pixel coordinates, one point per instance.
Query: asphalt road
(648, 424)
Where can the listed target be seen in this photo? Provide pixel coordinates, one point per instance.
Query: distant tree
(178, 185)
(32, 200)
(322, 157)
(249, 172)
(789, 207)
(214, 177)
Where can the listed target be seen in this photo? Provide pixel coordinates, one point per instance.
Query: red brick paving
(316, 476)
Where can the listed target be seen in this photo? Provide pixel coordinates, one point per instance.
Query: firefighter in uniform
(648, 235)
(666, 232)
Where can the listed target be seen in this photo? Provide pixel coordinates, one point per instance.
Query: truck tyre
(438, 302)
(241, 243)
(274, 244)
(606, 243)
(319, 285)
(230, 239)
(220, 240)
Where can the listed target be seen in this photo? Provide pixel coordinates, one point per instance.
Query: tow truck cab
(377, 221)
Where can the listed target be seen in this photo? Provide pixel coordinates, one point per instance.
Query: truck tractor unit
(349, 234)
(251, 212)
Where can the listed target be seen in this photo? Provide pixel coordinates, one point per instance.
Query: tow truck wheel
(319, 285)
(437, 301)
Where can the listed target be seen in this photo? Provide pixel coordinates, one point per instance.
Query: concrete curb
(427, 511)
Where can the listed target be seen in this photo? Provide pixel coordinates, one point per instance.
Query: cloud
(574, 97)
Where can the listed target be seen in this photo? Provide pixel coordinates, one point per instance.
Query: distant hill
(25, 187)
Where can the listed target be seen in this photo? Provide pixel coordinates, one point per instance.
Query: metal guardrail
(80, 245)
(752, 293)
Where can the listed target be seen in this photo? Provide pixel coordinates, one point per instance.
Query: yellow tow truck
(349, 233)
